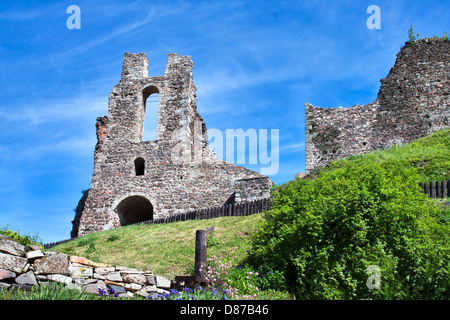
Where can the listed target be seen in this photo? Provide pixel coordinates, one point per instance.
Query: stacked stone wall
(24, 267)
(412, 102)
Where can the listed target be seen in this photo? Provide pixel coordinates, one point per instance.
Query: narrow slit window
(151, 102)
(139, 165)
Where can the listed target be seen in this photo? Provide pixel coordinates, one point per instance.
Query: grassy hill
(166, 249)
(430, 156)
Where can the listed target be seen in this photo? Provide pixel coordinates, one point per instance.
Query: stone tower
(136, 180)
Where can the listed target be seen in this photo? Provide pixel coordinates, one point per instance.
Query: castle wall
(412, 102)
(180, 172)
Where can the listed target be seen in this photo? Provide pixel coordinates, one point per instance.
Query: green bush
(23, 239)
(323, 234)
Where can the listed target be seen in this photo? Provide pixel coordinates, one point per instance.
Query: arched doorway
(134, 209)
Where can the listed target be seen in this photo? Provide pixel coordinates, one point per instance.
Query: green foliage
(211, 241)
(324, 233)
(429, 156)
(271, 280)
(247, 282)
(113, 237)
(23, 239)
(243, 278)
(412, 37)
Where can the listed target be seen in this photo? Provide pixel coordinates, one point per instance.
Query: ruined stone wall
(412, 102)
(26, 267)
(179, 171)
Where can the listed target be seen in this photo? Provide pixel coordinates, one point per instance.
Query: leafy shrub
(324, 234)
(23, 239)
(412, 37)
(271, 280)
(113, 237)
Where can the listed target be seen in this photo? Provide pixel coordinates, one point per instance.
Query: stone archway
(134, 209)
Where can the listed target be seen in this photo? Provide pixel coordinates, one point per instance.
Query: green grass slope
(430, 156)
(166, 249)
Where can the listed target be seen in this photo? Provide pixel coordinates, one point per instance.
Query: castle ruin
(413, 101)
(136, 180)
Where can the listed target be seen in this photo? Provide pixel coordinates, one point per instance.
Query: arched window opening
(139, 166)
(151, 102)
(134, 209)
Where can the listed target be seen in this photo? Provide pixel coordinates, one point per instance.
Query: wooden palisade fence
(230, 210)
(436, 189)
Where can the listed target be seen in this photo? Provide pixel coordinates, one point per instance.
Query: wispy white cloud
(45, 111)
(98, 41)
(154, 14)
(293, 147)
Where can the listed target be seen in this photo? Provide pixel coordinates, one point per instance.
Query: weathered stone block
(93, 287)
(80, 272)
(27, 279)
(162, 282)
(136, 278)
(151, 280)
(12, 263)
(117, 289)
(105, 270)
(6, 275)
(150, 288)
(86, 262)
(113, 276)
(59, 278)
(52, 264)
(12, 247)
(33, 255)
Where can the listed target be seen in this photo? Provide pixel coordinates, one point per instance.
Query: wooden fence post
(432, 191)
(200, 252)
(438, 189)
(448, 189)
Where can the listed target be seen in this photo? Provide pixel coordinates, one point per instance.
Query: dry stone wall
(25, 267)
(412, 102)
(136, 180)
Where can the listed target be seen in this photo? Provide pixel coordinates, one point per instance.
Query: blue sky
(255, 65)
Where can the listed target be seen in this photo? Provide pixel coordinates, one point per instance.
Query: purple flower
(102, 292)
